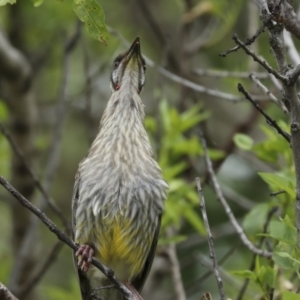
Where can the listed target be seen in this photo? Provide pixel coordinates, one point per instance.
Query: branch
(210, 240)
(248, 42)
(64, 238)
(288, 18)
(291, 48)
(183, 81)
(259, 60)
(5, 294)
(175, 269)
(269, 120)
(194, 286)
(226, 74)
(260, 243)
(228, 211)
(267, 91)
(290, 96)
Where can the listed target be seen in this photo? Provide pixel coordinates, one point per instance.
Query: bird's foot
(85, 256)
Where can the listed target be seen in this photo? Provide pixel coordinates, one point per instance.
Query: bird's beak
(134, 53)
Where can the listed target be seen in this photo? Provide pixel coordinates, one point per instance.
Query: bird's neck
(122, 127)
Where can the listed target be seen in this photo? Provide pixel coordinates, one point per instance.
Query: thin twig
(175, 269)
(260, 243)
(64, 238)
(273, 194)
(5, 293)
(193, 287)
(291, 48)
(247, 42)
(228, 74)
(228, 211)
(260, 60)
(185, 82)
(290, 96)
(210, 240)
(267, 91)
(269, 120)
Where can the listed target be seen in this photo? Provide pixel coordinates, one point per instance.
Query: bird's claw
(85, 256)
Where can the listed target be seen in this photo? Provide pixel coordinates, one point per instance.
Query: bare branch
(291, 48)
(248, 42)
(64, 238)
(5, 294)
(288, 18)
(228, 74)
(291, 99)
(175, 269)
(261, 241)
(228, 211)
(210, 240)
(259, 60)
(269, 120)
(267, 91)
(262, 5)
(185, 82)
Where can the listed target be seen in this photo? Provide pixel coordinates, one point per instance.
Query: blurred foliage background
(250, 158)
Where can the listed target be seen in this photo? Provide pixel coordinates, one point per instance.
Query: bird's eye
(116, 64)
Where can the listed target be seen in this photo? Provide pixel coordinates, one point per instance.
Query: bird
(119, 190)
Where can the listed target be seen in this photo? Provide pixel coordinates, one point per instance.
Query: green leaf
(170, 172)
(176, 184)
(189, 121)
(286, 261)
(287, 255)
(90, 12)
(254, 221)
(3, 110)
(215, 154)
(283, 232)
(150, 124)
(280, 182)
(243, 141)
(287, 295)
(245, 274)
(173, 239)
(4, 2)
(194, 219)
(281, 260)
(267, 276)
(37, 3)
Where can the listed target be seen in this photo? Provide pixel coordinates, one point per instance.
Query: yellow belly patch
(120, 249)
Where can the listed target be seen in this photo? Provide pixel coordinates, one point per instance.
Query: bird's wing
(139, 281)
(83, 280)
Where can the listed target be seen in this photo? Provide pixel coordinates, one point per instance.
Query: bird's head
(129, 69)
